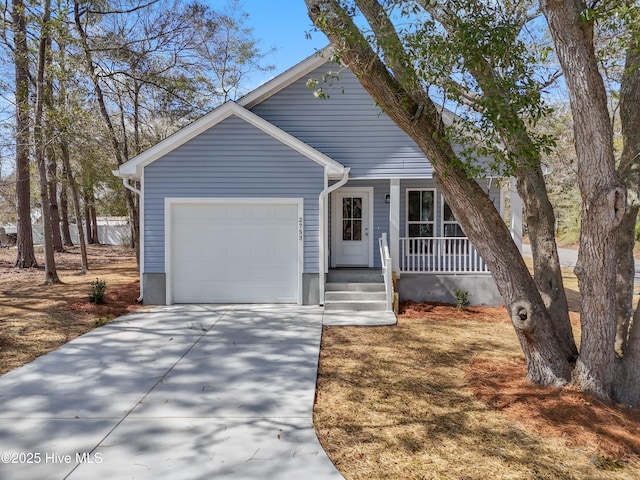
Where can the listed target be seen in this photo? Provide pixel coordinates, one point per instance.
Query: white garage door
(226, 252)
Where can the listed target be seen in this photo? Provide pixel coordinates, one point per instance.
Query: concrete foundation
(154, 289)
(440, 288)
(310, 289)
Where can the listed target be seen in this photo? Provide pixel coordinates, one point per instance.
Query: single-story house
(260, 199)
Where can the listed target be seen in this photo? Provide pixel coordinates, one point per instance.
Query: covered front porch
(404, 227)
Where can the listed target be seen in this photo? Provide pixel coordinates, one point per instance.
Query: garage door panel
(234, 253)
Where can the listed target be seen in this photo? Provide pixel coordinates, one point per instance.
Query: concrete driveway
(181, 392)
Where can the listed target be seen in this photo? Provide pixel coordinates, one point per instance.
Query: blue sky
(281, 24)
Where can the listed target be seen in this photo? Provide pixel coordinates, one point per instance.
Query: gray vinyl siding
(347, 127)
(231, 159)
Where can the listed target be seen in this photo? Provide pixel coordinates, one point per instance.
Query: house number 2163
(300, 228)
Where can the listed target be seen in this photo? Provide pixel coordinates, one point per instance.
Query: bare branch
(129, 10)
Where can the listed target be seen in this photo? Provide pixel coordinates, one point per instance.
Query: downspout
(323, 228)
(128, 186)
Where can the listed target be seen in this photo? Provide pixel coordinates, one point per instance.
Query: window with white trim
(450, 226)
(421, 217)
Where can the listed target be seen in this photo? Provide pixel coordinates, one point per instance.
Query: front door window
(352, 219)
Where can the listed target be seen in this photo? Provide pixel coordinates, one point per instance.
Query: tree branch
(129, 10)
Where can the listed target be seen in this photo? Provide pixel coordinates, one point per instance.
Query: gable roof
(133, 168)
(286, 78)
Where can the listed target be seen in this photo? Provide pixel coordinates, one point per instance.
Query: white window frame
(414, 222)
(444, 222)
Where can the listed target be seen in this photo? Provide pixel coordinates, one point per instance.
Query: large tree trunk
(603, 195)
(26, 256)
(625, 272)
(415, 113)
(627, 384)
(519, 144)
(546, 263)
(50, 272)
(627, 388)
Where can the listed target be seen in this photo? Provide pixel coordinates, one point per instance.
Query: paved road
(183, 393)
(569, 258)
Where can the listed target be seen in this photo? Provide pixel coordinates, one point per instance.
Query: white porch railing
(440, 255)
(385, 258)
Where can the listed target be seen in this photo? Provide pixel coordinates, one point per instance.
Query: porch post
(516, 214)
(394, 223)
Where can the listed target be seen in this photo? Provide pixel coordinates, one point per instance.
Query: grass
(400, 403)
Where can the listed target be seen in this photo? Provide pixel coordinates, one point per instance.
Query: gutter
(128, 186)
(324, 219)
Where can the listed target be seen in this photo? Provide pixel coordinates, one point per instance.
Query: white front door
(352, 228)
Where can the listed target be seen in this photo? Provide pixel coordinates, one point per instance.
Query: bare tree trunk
(26, 255)
(132, 205)
(94, 222)
(87, 220)
(52, 173)
(50, 272)
(64, 147)
(132, 201)
(603, 194)
(64, 211)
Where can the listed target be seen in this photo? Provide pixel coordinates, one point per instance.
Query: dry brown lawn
(441, 395)
(35, 318)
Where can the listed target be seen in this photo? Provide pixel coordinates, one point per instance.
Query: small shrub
(462, 298)
(97, 291)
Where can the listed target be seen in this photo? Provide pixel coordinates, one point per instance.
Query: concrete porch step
(351, 295)
(354, 287)
(355, 275)
(355, 290)
(356, 305)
